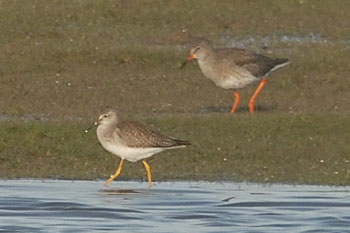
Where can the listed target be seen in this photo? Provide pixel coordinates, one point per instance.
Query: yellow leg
(116, 174)
(148, 169)
(236, 102)
(252, 100)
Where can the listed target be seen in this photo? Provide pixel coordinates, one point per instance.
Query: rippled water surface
(87, 206)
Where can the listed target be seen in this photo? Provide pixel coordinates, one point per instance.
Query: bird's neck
(207, 58)
(105, 130)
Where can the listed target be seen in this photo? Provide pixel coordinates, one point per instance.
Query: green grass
(266, 148)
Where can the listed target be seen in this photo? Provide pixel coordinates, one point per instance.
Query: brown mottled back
(135, 134)
(257, 64)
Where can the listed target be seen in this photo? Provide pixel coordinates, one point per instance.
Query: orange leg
(116, 174)
(148, 169)
(236, 102)
(252, 100)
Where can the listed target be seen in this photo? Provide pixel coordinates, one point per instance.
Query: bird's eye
(104, 116)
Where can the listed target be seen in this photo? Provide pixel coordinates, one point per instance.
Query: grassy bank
(265, 148)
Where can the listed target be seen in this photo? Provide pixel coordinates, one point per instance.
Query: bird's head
(107, 116)
(198, 52)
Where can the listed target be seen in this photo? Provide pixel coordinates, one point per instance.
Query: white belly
(114, 146)
(129, 153)
(233, 82)
(230, 79)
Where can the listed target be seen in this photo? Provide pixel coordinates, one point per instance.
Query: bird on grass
(234, 68)
(131, 141)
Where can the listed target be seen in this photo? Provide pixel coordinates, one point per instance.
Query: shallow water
(87, 206)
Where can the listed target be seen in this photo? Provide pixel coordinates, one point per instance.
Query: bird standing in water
(132, 141)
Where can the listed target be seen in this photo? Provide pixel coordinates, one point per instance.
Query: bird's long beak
(190, 58)
(88, 129)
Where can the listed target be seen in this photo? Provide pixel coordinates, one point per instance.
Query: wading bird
(131, 141)
(233, 68)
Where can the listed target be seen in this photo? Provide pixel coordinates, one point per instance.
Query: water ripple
(82, 206)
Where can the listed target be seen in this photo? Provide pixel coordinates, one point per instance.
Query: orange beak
(190, 58)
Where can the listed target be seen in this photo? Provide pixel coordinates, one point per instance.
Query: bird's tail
(182, 142)
(279, 63)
